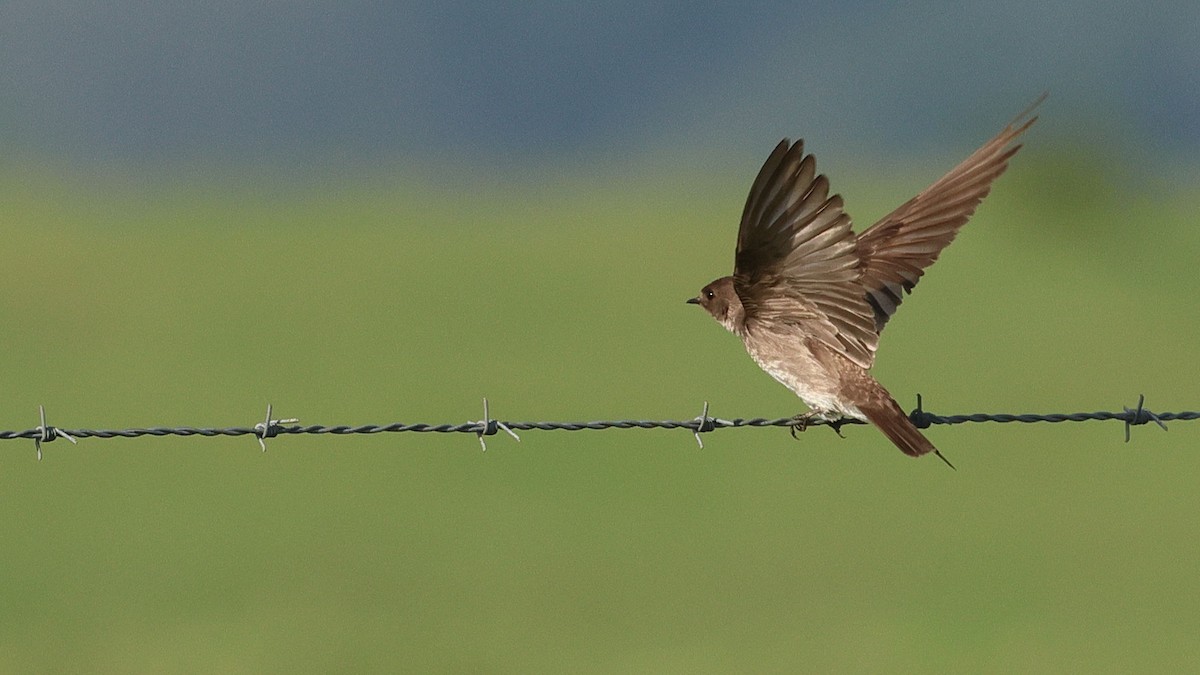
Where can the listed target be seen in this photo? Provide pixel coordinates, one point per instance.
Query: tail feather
(885, 413)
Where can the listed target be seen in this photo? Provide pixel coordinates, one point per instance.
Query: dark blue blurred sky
(361, 80)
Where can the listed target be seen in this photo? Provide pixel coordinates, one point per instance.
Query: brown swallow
(809, 298)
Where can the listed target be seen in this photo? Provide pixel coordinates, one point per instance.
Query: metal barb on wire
(918, 416)
(488, 427)
(1141, 416)
(704, 424)
(47, 433)
(269, 428)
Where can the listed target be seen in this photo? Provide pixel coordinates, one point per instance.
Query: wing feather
(800, 267)
(797, 265)
(896, 251)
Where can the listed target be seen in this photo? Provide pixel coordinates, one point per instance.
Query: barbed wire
(704, 423)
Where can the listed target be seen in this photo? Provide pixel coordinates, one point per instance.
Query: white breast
(818, 393)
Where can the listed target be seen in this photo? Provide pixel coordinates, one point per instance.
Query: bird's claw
(801, 422)
(836, 425)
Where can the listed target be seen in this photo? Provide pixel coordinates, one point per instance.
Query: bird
(809, 298)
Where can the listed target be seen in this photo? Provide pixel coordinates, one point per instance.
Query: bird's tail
(885, 413)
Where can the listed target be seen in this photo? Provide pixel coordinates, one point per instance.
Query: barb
(272, 428)
(704, 424)
(46, 433)
(488, 426)
(269, 428)
(1141, 416)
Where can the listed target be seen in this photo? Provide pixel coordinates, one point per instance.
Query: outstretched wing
(797, 264)
(896, 250)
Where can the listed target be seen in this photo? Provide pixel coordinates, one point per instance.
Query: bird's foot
(834, 421)
(800, 422)
(837, 425)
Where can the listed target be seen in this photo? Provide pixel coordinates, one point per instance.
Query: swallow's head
(722, 301)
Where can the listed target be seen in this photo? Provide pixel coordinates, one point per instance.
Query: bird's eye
(709, 294)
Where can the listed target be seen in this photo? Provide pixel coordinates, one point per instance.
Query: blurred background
(377, 212)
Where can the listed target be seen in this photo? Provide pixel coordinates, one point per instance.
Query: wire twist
(272, 428)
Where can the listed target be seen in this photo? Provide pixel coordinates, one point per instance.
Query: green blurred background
(170, 281)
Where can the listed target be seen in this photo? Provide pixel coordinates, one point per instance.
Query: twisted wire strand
(270, 428)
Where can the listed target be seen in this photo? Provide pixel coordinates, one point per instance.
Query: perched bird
(809, 298)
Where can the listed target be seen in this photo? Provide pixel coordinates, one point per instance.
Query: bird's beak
(693, 301)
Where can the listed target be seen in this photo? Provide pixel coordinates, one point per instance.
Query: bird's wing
(797, 263)
(896, 250)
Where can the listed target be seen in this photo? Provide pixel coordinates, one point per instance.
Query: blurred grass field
(393, 298)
